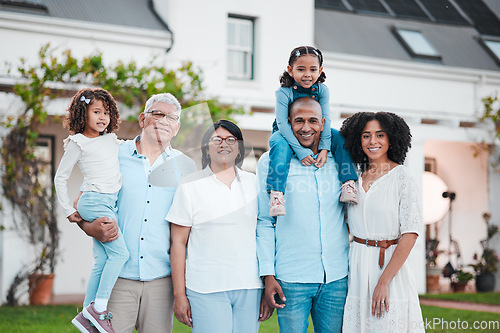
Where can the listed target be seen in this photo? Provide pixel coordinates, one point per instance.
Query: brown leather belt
(383, 244)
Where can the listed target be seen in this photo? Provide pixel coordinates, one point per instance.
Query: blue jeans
(280, 156)
(281, 153)
(324, 301)
(109, 257)
(225, 311)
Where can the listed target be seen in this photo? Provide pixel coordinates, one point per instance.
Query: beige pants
(148, 306)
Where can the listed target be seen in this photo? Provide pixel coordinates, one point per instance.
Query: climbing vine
(491, 114)
(33, 202)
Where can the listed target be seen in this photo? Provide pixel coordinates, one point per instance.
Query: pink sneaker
(101, 320)
(349, 193)
(83, 324)
(277, 203)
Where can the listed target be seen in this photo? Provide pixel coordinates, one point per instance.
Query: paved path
(460, 305)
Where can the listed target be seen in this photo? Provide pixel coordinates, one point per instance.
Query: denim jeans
(280, 156)
(324, 301)
(109, 257)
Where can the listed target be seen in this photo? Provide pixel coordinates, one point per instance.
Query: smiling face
(305, 70)
(222, 155)
(159, 131)
(97, 119)
(307, 122)
(375, 142)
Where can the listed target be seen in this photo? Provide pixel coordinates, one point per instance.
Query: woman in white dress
(382, 295)
(213, 221)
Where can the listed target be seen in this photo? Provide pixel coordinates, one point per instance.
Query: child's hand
(321, 159)
(75, 217)
(308, 160)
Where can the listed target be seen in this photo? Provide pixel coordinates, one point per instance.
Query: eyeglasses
(230, 140)
(158, 115)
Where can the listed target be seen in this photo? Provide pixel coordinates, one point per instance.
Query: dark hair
(394, 126)
(286, 80)
(77, 118)
(231, 128)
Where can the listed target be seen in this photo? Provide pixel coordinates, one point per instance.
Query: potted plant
(460, 279)
(487, 264)
(433, 272)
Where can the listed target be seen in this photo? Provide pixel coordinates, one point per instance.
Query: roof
(365, 28)
(130, 13)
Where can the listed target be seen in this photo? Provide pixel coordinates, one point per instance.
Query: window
(415, 43)
(240, 48)
(44, 151)
(25, 6)
(492, 46)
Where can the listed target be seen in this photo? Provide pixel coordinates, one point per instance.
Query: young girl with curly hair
(382, 295)
(304, 77)
(93, 116)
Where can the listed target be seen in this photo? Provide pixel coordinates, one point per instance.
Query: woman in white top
(93, 116)
(214, 213)
(382, 295)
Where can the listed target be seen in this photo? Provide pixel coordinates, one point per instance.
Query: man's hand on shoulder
(103, 229)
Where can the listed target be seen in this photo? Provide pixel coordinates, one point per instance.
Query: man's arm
(103, 229)
(266, 245)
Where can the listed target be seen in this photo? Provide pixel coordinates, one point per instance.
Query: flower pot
(432, 279)
(458, 287)
(40, 288)
(485, 282)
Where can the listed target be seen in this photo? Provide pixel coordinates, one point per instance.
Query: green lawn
(487, 298)
(45, 319)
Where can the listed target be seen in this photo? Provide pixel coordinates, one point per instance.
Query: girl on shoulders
(304, 77)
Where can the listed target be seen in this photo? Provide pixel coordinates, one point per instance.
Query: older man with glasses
(142, 298)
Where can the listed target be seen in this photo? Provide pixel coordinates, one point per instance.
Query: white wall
(200, 32)
(23, 35)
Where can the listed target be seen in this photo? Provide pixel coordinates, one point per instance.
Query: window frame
(248, 50)
(396, 31)
(483, 41)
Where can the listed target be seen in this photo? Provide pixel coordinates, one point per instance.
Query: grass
(441, 320)
(486, 298)
(57, 318)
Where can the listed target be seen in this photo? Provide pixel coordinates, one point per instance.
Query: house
(430, 61)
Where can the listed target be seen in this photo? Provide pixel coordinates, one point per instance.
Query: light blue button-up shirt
(143, 203)
(310, 244)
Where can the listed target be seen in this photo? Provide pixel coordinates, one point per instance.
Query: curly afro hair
(77, 118)
(394, 126)
(286, 80)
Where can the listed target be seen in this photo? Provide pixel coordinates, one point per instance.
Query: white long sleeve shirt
(97, 159)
